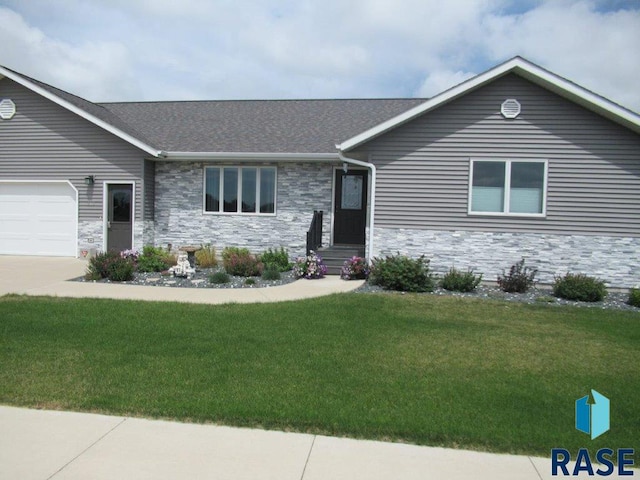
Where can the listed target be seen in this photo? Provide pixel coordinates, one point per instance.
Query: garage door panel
(38, 219)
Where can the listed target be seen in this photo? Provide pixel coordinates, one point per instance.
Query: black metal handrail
(314, 235)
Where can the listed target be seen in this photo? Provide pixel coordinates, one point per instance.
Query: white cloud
(162, 49)
(94, 69)
(440, 81)
(595, 49)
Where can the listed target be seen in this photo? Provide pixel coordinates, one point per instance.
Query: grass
(429, 370)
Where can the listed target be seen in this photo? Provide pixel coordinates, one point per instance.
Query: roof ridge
(244, 100)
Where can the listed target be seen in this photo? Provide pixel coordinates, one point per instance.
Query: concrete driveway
(49, 275)
(23, 275)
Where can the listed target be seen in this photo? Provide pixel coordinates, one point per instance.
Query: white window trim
(239, 189)
(508, 162)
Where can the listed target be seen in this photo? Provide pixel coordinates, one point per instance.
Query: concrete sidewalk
(42, 445)
(50, 275)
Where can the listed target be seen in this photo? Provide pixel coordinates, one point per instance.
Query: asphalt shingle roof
(295, 126)
(266, 126)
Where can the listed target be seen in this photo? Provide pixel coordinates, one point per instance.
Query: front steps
(335, 256)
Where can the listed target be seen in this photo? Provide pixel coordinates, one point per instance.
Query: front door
(350, 214)
(119, 217)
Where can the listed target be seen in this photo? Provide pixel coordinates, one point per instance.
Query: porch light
(89, 180)
(345, 167)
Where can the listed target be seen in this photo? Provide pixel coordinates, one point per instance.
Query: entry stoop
(335, 256)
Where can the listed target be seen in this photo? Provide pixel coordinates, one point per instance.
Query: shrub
(579, 287)
(240, 262)
(270, 273)
(634, 297)
(120, 270)
(99, 265)
(228, 251)
(219, 277)
(206, 257)
(519, 279)
(250, 281)
(310, 267)
(356, 268)
(278, 258)
(398, 272)
(154, 259)
(458, 281)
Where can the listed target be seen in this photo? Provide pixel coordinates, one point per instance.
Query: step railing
(314, 235)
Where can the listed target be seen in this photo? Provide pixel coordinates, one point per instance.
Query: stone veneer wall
(90, 236)
(179, 218)
(616, 260)
(93, 230)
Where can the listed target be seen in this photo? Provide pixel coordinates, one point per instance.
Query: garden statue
(183, 268)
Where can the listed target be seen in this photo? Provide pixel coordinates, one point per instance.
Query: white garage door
(38, 218)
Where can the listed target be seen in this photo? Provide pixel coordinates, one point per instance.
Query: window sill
(239, 214)
(507, 215)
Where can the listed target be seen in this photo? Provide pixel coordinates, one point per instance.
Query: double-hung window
(508, 187)
(240, 190)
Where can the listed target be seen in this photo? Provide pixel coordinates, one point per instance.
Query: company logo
(593, 418)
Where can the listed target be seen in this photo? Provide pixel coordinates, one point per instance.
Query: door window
(121, 205)
(351, 192)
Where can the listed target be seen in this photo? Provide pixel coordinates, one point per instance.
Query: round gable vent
(7, 109)
(510, 108)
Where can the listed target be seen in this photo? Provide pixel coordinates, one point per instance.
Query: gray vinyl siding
(44, 141)
(593, 164)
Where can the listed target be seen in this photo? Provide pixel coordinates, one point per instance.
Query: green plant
(458, 281)
(219, 277)
(310, 267)
(634, 297)
(98, 266)
(579, 287)
(356, 268)
(278, 258)
(206, 257)
(519, 279)
(545, 299)
(398, 272)
(154, 259)
(120, 270)
(270, 273)
(240, 262)
(250, 281)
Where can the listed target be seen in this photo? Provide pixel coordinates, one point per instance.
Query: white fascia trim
(523, 68)
(250, 156)
(78, 111)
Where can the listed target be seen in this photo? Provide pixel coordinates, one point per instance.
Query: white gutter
(250, 156)
(372, 207)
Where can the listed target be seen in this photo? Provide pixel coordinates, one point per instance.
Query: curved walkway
(48, 276)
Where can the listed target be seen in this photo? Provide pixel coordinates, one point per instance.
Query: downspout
(372, 207)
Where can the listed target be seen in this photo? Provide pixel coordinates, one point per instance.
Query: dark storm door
(350, 214)
(119, 217)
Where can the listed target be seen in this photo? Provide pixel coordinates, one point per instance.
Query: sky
(143, 50)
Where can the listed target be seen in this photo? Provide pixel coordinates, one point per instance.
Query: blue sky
(118, 50)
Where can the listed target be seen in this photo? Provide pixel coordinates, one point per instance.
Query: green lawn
(424, 369)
